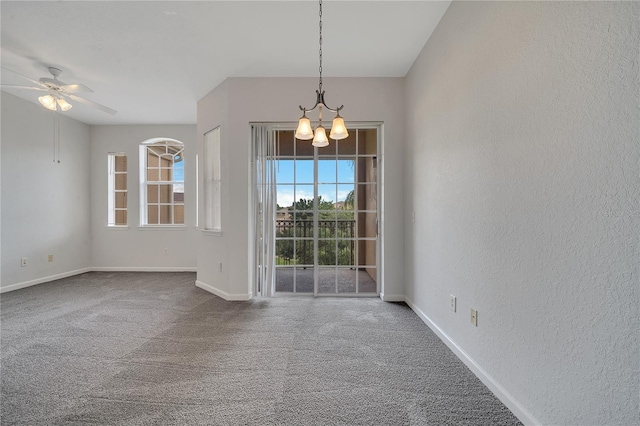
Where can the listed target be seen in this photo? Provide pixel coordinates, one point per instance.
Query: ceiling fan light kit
(338, 128)
(50, 101)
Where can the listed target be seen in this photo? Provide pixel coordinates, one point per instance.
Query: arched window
(161, 182)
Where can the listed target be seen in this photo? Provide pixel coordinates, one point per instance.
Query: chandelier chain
(320, 51)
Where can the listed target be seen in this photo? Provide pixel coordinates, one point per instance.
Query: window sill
(211, 233)
(117, 227)
(162, 228)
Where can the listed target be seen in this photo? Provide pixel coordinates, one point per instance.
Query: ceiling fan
(58, 92)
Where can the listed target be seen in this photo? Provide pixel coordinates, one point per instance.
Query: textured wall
(45, 205)
(522, 168)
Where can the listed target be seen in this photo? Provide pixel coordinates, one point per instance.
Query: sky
(335, 180)
(178, 175)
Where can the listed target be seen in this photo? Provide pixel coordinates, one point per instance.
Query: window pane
(178, 214)
(346, 170)
(327, 171)
(326, 196)
(121, 163)
(178, 193)
(121, 217)
(153, 175)
(304, 252)
(304, 148)
(366, 253)
(304, 224)
(326, 228)
(166, 174)
(367, 280)
(367, 141)
(152, 215)
(284, 171)
(346, 280)
(367, 169)
(346, 252)
(152, 193)
(284, 252)
(121, 181)
(304, 171)
(152, 159)
(326, 252)
(326, 280)
(284, 196)
(366, 197)
(284, 279)
(329, 150)
(348, 146)
(165, 214)
(304, 280)
(166, 193)
(284, 143)
(305, 193)
(284, 223)
(346, 197)
(346, 225)
(121, 200)
(178, 170)
(367, 225)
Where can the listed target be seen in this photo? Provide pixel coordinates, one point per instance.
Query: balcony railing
(336, 244)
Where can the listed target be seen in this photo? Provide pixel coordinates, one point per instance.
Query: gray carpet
(151, 348)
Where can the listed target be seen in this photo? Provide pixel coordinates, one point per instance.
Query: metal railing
(336, 244)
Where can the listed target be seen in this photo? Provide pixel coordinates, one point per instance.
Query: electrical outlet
(474, 317)
(50, 258)
(452, 302)
(220, 267)
(413, 217)
(23, 262)
(166, 251)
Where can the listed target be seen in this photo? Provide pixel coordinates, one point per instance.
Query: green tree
(342, 230)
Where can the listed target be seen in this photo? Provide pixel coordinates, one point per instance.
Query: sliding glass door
(326, 220)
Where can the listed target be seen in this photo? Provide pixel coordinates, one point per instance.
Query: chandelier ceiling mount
(338, 129)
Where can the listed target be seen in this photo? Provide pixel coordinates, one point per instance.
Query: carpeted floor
(151, 348)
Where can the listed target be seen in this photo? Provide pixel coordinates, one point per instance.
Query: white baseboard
(223, 294)
(42, 280)
(501, 393)
(145, 269)
(392, 297)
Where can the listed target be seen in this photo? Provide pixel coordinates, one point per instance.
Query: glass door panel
(326, 227)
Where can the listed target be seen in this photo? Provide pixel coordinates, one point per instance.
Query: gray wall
(61, 208)
(140, 248)
(239, 101)
(522, 168)
(45, 205)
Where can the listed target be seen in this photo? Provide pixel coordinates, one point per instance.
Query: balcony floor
(327, 277)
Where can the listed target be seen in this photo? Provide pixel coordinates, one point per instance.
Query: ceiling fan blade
(90, 103)
(24, 76)
(17, 86)
(76, 88)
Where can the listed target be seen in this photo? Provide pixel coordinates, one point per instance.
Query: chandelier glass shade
(338, 128)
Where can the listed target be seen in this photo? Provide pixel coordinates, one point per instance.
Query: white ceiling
(153, 60)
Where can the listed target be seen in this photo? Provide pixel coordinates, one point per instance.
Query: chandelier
(338, 129)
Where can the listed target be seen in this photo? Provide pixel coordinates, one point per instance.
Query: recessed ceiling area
(153, 60)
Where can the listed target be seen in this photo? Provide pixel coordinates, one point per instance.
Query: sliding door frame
(379, 127)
